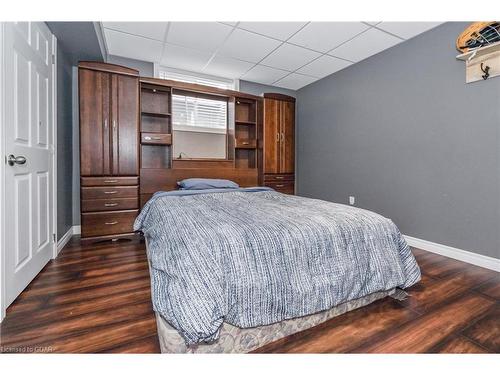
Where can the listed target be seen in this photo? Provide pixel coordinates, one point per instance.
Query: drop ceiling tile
(407, 30)
(247, 46)
(264, 74)
(295, 81)
(185, 58)
(198, 35)
(227, 67)
(131, 46)
(367, 44)
(278, 30)
(152, 30)
(290, 57)
(324, 66)
(323, 36)
(230, 23)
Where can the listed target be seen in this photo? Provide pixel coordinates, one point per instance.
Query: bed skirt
(243, 340)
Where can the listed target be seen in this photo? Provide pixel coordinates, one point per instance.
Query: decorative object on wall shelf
(480, 47)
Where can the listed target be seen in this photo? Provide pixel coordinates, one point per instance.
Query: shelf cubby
(155, 100)
(155, 124)
(155, 156)
(245, 158)
(245, 133)
(245, 111)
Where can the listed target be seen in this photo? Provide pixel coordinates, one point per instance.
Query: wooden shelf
(242, 122)
(156, 114)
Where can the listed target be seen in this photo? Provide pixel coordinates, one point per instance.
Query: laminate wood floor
(96, 299)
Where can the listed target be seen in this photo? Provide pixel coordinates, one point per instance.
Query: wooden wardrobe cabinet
(109, 149)
(278, 164)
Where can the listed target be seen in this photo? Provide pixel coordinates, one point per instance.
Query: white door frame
(2, 162)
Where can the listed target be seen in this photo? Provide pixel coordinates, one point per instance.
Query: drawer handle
(246, 143)
(279, 177)
(111, 223)
(110, 181)
(110, 192)
(147, 138)
(110, 204)
(280, 185)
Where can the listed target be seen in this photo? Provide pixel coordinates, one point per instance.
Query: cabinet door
(287, 146)
(94, 90)
(271, 135)
(125, 132)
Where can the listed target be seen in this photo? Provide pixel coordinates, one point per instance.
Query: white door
(29, 147)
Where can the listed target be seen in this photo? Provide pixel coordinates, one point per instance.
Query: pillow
(206, 183)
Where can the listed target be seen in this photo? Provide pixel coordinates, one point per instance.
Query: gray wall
(76, 149)
(75, 41)
(145, 68)
(258, 89)
(64, 144)
(403, 133)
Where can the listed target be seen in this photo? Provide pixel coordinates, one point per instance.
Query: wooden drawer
(286, 187)
(279, 177)
(109, 181)
(108, 223)
(93, 205)
(109, 192)
(246, 143)
(156, 138)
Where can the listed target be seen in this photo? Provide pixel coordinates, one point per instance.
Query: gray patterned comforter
(253, 258)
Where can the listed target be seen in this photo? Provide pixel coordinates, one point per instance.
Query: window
(191, 77)
(200, 114)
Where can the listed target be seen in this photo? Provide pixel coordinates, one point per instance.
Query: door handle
(106, 124)
(277, 137)
(11, 160)
(282, 137)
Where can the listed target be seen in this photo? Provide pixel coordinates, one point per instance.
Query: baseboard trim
(76, 229)
(454, 253)
(64, 239)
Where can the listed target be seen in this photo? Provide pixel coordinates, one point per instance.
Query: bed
(233, 269)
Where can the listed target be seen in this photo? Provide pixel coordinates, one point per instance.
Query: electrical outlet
(352, 200)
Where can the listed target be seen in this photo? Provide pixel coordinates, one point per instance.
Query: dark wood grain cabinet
(109, 145)
(278, 164)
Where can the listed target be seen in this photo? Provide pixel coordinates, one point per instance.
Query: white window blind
(201, 79)
(190, 113)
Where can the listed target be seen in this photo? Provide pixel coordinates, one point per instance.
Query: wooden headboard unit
(160, 172)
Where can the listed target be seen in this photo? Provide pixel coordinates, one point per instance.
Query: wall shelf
(156, 114)
(478, 59)
(243, 122)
